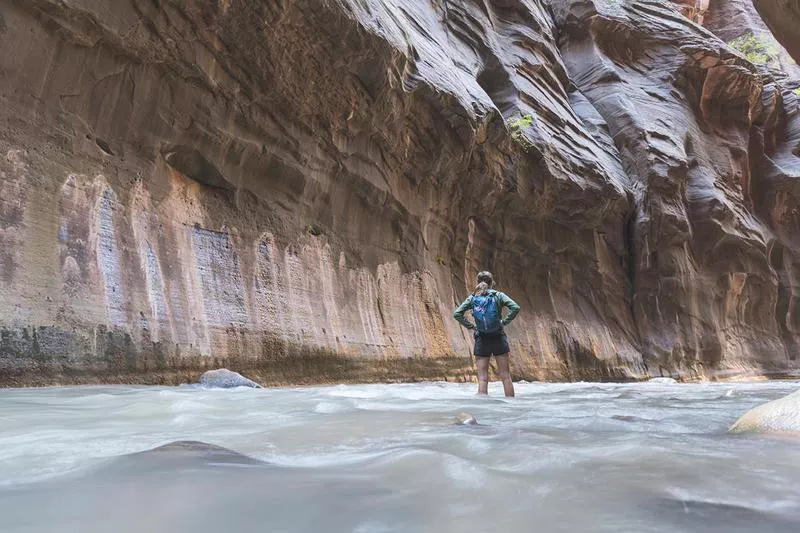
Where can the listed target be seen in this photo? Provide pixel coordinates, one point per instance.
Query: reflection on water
(559, 457)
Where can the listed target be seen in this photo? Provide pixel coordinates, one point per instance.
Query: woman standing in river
(487, 305)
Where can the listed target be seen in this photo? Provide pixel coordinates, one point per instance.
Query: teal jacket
(502, 299)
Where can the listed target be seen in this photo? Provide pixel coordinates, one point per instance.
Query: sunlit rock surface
(778, 416)
(306, 189)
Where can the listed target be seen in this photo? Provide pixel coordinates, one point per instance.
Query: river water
(649, 457)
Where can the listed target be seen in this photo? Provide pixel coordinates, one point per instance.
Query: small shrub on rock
(755, 48)
(517, 125)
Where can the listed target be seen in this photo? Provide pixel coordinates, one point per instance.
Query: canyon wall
(305, 189)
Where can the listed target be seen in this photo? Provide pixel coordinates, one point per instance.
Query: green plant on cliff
(517, 125)
(797, 91)
(756, 48)
(314, 229)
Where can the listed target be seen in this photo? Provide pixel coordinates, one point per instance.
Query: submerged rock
(190, 451)
(466, 419)
(778, 416)
(628, 418)
(226, 379)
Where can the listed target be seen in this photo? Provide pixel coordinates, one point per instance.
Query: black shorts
(487, 344)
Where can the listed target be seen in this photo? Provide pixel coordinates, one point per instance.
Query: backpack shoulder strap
(490, 292)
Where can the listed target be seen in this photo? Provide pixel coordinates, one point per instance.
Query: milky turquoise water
(373, 458)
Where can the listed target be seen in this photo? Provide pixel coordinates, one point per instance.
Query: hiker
(490, 339)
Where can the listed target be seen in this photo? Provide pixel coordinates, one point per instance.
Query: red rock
(304, 190)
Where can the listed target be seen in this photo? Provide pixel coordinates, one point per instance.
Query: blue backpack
(486, 312)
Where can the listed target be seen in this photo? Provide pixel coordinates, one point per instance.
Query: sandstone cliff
(305, 189)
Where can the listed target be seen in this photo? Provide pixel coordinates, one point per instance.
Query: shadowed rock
(226, 379)
(179, 454)
(191, 447)
(193, 165)
(778, 416)
(783, 18)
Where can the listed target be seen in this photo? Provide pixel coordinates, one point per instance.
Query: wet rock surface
(465, 419)
(183, 454)
(306, 189)
(226, 379)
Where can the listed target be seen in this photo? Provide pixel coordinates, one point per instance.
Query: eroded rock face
(307, 188)
(738, 21)
(783, 18)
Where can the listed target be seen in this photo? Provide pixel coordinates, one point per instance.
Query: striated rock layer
(306, 189)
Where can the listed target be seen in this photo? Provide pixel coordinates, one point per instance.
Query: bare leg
(483, 374)
(505, 374)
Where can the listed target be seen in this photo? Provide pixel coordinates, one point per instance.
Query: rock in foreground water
(778, 416)
(226, 379)
(182, 452)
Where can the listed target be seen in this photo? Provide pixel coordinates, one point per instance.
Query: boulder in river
(778, 416)
(226, 379)
(466, 419)
(183, 453)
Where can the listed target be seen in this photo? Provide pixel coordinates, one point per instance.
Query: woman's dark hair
(485, 282)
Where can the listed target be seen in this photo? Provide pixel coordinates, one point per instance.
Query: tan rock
(778, 416)
(304, 190)
(466, 419)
